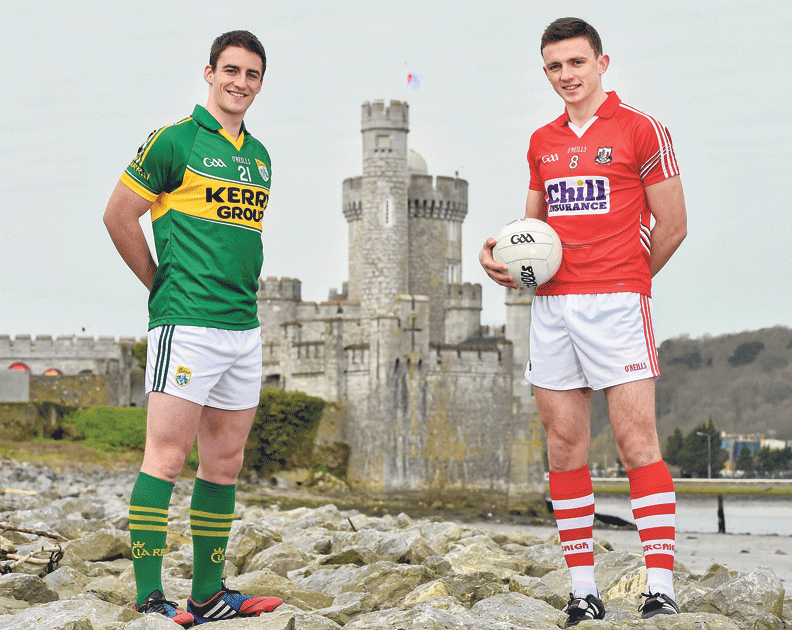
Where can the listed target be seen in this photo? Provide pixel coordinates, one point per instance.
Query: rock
(387, 582)
(534, 587)
(473, 587)
(266, 583)
(478, 557)
(336, 569)
(66, 582)
(106, 544)
(716, 575)
(280, 559)
(515, 610)
(29, 588)
(748, 599)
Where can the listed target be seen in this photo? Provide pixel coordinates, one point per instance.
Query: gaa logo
(183, 376)
(522, 238)
(210, 162)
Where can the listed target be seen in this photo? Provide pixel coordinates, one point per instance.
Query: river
(743, 514)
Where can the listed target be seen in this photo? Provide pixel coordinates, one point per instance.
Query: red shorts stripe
(651, 346)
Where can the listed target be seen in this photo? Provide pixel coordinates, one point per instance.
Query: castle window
(388, 211)
(453, 231)
(19, 366)
(453, 272)
(383, 142)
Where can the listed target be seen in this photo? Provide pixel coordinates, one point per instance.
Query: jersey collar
(606, 110)
(206, 120)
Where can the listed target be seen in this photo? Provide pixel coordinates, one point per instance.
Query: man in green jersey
(206, 181)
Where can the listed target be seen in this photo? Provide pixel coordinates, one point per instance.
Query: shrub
(111, 428)
(283, 431)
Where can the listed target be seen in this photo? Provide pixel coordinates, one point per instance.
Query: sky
(86, 85)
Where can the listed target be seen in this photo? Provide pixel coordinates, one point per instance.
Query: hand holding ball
(531, 250)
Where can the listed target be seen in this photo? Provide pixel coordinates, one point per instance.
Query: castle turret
(437, 207)
(376, 207)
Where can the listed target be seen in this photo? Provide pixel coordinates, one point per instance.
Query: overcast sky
(87, 82)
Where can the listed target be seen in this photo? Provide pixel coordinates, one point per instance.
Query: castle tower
(375, 206)
(437, 207)
(526, 474)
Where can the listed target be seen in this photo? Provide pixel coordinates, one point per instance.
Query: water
(743, 514)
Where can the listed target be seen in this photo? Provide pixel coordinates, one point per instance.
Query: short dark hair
(243, 39)
(569, 27)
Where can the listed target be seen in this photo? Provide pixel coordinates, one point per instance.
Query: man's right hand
(495, 270)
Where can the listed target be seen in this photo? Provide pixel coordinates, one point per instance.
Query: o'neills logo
(218, 556)
(659, 547)
(580, 546)
(635, 367)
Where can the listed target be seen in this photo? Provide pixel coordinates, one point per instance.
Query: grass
(61, 453)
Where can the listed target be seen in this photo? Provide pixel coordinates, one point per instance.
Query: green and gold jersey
(208, 195)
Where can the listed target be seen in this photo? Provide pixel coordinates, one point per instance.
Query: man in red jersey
(599, 174)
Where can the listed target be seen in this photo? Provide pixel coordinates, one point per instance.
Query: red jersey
(593, 179)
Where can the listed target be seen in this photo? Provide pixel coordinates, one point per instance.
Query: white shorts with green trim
(208, 366)
(597, 341)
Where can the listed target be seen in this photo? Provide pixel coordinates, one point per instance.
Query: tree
(692, 457)
(673, 447)
(745, 460)
(773, 460)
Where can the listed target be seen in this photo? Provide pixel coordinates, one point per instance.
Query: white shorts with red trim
(209, 366)
(595, 341)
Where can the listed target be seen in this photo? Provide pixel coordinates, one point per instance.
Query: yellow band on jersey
(215, 200)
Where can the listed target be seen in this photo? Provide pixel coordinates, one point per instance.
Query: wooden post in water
(721, 518)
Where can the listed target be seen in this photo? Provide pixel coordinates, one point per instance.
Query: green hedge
(283, 431)
(282, 435)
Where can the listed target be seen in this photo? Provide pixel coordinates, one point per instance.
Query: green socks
(148, 529)
(211, 515)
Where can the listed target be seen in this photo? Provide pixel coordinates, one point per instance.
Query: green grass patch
(113, 429)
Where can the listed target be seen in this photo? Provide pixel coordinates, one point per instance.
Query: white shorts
(209, 366)
(595, 341)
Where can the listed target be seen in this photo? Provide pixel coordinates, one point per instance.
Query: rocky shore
(334, 568)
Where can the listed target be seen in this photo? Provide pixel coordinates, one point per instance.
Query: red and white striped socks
(654, 508)
(572, 495)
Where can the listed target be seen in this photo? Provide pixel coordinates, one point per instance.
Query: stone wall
(14, 386)
(81, 390)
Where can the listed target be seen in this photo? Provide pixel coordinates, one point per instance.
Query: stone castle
(430, 401)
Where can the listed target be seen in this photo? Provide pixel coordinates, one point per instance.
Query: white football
(531, 250)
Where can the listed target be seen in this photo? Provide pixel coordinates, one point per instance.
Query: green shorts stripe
(163, 358)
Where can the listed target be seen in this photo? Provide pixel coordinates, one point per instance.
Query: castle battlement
(63, 346)
(377, 115)
(473, 358)
(437, 197)
(273, 288)
(466, 295)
